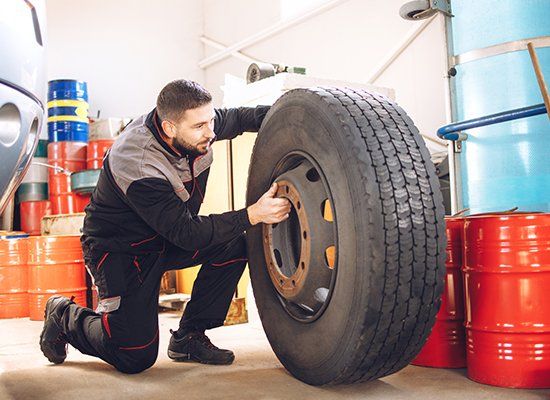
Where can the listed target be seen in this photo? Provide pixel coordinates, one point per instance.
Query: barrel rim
(515, 214)
(67, 80)
(5, 235)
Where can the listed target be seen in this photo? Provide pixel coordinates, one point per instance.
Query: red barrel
(82, 201)
(446, 345)
(14, 299)
(96, 152)
(62, 199)
(68, 155)
(56, 266)
(72, 157)
(507, 288)
(31, 214)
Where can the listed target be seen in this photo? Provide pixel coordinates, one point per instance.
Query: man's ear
(168, 129)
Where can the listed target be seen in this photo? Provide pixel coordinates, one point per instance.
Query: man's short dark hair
(179, 96)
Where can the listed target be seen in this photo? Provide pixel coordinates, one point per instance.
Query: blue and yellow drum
(67, 111)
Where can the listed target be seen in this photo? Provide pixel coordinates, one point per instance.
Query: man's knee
(130, 364)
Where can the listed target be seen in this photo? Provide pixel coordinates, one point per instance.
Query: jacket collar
(153, 123)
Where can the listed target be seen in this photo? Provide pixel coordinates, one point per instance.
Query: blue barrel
(67, 131)
(505, 165)
(67, 111)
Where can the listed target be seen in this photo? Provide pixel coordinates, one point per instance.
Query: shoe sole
(186, 357)
(51, 358)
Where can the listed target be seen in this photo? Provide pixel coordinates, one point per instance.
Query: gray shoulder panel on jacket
(130, 155)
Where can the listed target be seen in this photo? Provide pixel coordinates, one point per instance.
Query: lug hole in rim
(278, 258)
(312, 175)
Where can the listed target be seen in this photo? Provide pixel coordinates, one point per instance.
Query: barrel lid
(66, 80)
(506, 214)
(58, 240)
(32, 191)
(84, 182)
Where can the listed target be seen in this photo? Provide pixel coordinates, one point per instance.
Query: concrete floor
(256, 374)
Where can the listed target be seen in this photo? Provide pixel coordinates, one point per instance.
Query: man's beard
(186, 148)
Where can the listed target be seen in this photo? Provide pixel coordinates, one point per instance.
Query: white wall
(347, 42)
(126, 50)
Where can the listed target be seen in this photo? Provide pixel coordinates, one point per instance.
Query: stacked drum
(68, 133)
(32, 194)
(65, 157)
(445, 348)
(68, 111)
(56, 266)
(507, 282)
(14, 297)
(32, 269)
(505, 262)
(84, 182)
(54, 192)
(96, 152)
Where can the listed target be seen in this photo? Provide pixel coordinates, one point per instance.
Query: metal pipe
(396, 52)
(450, 115)
(433, 140)
(447, 132)
(236, 54)
(268, 32)
(54, 167)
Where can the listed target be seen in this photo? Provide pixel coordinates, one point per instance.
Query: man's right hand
(269, 209)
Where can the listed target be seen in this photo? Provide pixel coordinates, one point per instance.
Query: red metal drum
(68, 155)
(82, 200)
(507, 289)
(446, 345)
(31, 214)
(62, 199)
(14, 298)
(56, 266)
(96, 152)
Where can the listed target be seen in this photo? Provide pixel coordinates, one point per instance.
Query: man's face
(194, 132)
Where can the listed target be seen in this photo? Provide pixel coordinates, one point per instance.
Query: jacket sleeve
(155, 202)
(231, 122)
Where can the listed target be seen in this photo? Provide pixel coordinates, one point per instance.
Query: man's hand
(269, 209)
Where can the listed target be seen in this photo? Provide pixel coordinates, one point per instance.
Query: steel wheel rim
(300, 253)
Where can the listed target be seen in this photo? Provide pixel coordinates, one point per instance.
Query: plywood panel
(216, 198)
(242, 151)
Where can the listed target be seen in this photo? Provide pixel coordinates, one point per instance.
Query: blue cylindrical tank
(505, 165)
(67, 110)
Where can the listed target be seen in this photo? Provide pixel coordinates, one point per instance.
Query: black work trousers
(124, 331)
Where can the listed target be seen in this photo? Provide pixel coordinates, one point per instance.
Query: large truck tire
(348, 287)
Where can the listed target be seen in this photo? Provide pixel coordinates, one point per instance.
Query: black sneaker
(53, 341)
(196, 346)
